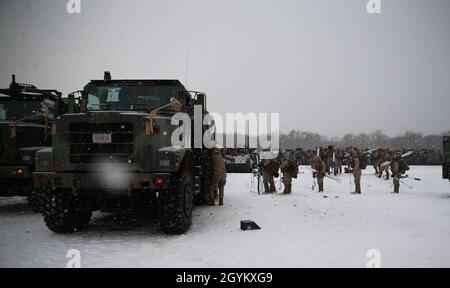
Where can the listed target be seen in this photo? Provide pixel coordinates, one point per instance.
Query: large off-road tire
(175, 205)
(36, 200)
(64, 213)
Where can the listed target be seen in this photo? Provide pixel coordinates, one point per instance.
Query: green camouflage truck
(116, 154)
(446, 159)
(24, 125)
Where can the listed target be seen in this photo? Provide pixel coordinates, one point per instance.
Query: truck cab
(116, 153)
(26, 114)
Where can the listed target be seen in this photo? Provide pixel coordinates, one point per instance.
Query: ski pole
(403, 182)
(410, 187)
(350, 181)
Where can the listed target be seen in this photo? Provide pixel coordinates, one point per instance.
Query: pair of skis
(387, 163)
(329, 176)
(332, 177)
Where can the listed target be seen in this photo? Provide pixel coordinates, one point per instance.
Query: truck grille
(83, 150)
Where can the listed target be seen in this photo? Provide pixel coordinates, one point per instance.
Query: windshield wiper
(147, 106)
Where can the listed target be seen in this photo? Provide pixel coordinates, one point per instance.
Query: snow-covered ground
(305, 229)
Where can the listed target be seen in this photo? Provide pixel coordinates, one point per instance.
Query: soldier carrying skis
(398, 167)
(385, 157)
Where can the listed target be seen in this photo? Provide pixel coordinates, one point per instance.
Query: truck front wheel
(176, 205)
(64, 213)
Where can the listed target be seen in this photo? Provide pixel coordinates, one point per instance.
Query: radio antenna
(187, 68)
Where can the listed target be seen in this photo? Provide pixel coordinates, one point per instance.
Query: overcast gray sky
(326, 66)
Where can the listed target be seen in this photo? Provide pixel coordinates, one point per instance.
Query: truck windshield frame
(132, 97)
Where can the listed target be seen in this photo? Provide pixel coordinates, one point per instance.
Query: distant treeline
(409, 140)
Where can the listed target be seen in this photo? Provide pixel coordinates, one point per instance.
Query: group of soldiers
(288, 165)
(333, 159)
(330, 161)
(397, 165)
(327, 161)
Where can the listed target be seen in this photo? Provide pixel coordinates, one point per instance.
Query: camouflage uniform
(385, 157)
(270, 168)
(289, 167)
(397, 173)
(320, 170)
(329, 158)
(356, 169)
(323, 154)
(395, 167)
(338, 166)
(376, 159)
(218, 177)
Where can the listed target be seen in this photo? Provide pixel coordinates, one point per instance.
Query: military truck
(446, 158)
(116, 154)
(240, 160)
(26, 113)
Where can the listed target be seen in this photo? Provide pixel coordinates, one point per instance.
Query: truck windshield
(130, 97)
(15, 110)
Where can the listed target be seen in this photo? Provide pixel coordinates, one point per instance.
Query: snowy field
(305, 229)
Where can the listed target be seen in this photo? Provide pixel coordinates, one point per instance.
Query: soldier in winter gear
(218, 177)
(356, 169)
(385, 157)
(398, 167)
(270, 169)
(339, 155)
(376, 160)
(319, 170)
(329, 158)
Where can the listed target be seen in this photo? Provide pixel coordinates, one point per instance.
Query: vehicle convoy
(446, 158)
(117, 154)
(26, 114)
